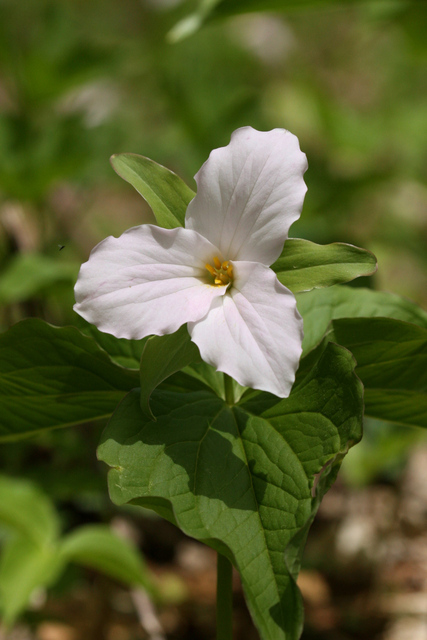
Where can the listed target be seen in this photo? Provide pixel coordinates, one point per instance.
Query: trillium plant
(232, 362)
(233, 468)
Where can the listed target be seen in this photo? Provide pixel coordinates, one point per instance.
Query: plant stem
(229, 389)
(224, 599)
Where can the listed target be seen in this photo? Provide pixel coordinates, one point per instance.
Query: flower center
(222, 272)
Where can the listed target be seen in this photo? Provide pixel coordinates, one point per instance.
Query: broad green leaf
(206, 374)
(305, 265)
(213, 379)
(240, 478)
(319, 307)
(29, 273)
(165, 192)
(26, 510)
(163, 356)
(52, 377)
(391, 360)
(96, 546)
(126, 353)
(24, 567)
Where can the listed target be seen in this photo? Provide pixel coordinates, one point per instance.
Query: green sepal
(167, 195)
(304, 265)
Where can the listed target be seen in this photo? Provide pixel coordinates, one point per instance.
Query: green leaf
(96, 546)
(29, 273)
(126, 353)
(319, 307)
(26, 510)
(305, 265)
(392, 364)
(52, 377)
(240, 478)
(213, 379)
(163, 356)
(165, 192)
(209, 9)
(24, 567)
(234, 7)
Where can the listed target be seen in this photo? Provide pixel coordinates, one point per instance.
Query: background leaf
(51, 377)
(24, 567)
(25, 509)
(209, 9)
(165, 192)
(29, 273)
(305, 265)
(98, 547)
(239, 479)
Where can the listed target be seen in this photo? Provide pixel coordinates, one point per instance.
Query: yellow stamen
(222, 272)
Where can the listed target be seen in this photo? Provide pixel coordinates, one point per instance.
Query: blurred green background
(82, 80)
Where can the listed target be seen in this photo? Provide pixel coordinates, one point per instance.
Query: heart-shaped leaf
(240, 478)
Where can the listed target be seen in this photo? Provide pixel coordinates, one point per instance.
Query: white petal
(249, 193)
(253, 333)
(148, 281)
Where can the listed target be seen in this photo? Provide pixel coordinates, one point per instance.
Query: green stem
(229, 390)
(224, 599)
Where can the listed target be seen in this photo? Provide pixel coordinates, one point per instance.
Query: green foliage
(167, 195)
(163, 356)
(97, 547)
(305, 265)
(26, 510)
(52, 377)
(27, 274)
(318, 308)
(34, 555)
(391, 360)
(24, 568)
(349, 82)
(126, 353)
(240, 478)
(211, 9)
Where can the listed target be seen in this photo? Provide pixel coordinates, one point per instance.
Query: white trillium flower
(213, 274)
